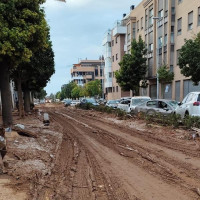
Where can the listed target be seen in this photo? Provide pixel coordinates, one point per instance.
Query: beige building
(163, 25)
(88, 70)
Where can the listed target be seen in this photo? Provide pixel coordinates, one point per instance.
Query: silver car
(162, 106)
(112, 103)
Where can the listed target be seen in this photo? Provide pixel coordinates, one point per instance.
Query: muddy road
(88, 155)
(102, 160)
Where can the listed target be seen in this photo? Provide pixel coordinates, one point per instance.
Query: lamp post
(157, 54)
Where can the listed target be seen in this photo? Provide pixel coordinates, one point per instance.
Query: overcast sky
(77, 30)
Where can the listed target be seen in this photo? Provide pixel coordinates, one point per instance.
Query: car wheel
(186, 114)
(151, 112)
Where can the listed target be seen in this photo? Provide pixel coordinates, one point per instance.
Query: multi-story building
(163, 25)
(88, 70)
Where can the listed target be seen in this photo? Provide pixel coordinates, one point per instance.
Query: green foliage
(41, 94)
(58, 95)
(132, 67)
(93, 88)
(23, 30)
(189, 59)
(165, 75)
(76, 92)
(66, 91)
(191, 121)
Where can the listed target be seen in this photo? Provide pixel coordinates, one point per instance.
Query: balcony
(106, 39)
(119, 29)
(87, 77)
(77, 77)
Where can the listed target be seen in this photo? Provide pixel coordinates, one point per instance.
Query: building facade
(88, 70)
(163, 25)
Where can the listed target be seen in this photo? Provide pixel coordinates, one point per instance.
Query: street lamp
(157, 54)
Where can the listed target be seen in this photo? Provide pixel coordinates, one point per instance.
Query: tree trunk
(27, 100)
(20, 97)
(5, 96)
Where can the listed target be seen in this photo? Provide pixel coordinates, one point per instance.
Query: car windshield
(139, 101)
(174, 104)
(91, 100)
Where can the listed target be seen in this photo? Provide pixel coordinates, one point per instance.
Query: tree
(58, 95)
(133, 67)
(66, 91)
(22, 26)
(41, 94)
(189, 59)
(165, 76)
(76, 92)
(93, 88)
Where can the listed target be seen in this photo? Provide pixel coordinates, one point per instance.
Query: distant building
(88, 70)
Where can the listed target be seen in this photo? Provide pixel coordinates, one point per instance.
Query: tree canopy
(165, 75)
(132, 67)
(189, 59)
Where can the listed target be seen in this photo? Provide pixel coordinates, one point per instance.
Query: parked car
(136, 101)
(112, 103)
(90, 100)
(190, 105)
(124, 104)
(67, 102)
(75, 102)
(162, 106)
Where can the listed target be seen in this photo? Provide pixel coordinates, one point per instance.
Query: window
(116, 88)
(141, 23)
(160, 13)
(137, 25)
(116, 40)
(150, 47)
(146, 19)
(152, 104)
(112, 42)
(117, 56)
(101, 72)
(198, 16)
(113, 89)
(129, 33)
(160, 42)
(110, 74)
(165, 40)
(180, 1)
(179, 26)
(134, 31)
(113, 58)
(109, 44)
(190, 20)
(151, 16)
(177, 56)
(96, 72)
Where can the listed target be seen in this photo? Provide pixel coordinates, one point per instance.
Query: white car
(124, 104)
(190, 105)
(137, 100)
(74, 103)
(129, 105)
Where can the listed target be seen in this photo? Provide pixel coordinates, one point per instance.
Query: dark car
(162, 106)
(89, 100)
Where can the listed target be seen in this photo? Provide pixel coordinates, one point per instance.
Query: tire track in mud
(139, 155)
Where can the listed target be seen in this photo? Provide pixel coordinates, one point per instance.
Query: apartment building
(114, 49)
(163, 25)
(88, 70)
